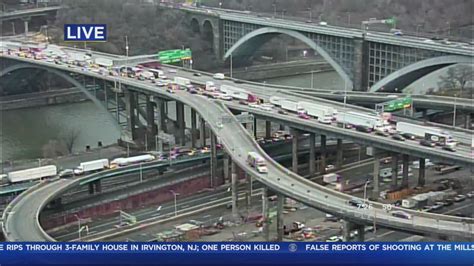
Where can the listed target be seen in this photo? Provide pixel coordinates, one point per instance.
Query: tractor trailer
(359, 119)
(291, 106)
(32, 174)
(91, 166)
(323, 114)
(433, 134)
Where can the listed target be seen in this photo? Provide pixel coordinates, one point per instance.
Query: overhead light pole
(175, 200)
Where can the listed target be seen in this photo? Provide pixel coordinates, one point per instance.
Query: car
(66, 173)
(355, 202)
(334, 239)
(398, 203)
(238, 81)
(323, 23)
(303, 115)
(218, 76)
(462, 215)
(408, 136)
(172, 71)
(242, 102)
(170, 91)
(363, 129)
(282, 112)
(427, 208)
(225, 97)
(392, 96)
(197, 74)
(437, 206)
(459, 198)
(381, 133)
(427, 143)
(265, 107)
(401, 214)
(329, 167)
(398, 137)
(253, 105)
(448, 202)
(470, 194)
(449, 148)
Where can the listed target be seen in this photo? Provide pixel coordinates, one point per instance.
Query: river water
(24, 132)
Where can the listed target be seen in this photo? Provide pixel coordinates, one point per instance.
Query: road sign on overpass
(172, 56)
(395, 105)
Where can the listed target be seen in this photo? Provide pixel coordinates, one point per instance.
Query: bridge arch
(208, 33)
(65, 77)
(409, 74)
(195, 27)
(272, 31)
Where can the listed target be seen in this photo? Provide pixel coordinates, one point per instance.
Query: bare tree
(54, 148)
(69, 138)
(456, 79)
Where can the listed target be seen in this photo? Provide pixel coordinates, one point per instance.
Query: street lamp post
(449, 28)
(79, 225)
(348, 18)
(126, 48)
(274, 9)
(310, 14)
(231, 65)
(312, 79)
(175, 205)
(141, 173)
(365, 190)
(454, 113)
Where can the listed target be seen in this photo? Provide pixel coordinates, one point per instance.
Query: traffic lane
(100, 224)
(388, 235)
(413, 145)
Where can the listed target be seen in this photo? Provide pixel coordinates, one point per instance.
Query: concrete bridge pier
(152, 129)
(213, 160)
(348, 226)
(161, 114)
(312, 154)
(405, 162)
(268, 129)
(339, 153)
(25, 23)
(227, 160)
(95, 187)
(131, 109)
(376, 176)
(467, 120)
(202, 131)
(181, 136)
(254, 126)
(294, 150)
(248, 191)
(421, 173)
(394, 170)
(234, 190)
(193, 128)
(323, 154)
(265, 214)
(280, 220)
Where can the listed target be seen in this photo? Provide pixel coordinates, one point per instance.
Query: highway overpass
(238, 143)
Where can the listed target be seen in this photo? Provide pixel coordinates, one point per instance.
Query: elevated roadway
(32, 12)
(237, 142)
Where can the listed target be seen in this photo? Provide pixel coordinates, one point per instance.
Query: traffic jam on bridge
(344, 157)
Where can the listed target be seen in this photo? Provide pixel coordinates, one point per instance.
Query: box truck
(32, 174)
(257, 162)
(234, 92)
(275, 100)
(431, 133)
(360, 119)
(183, 82)
(91, 166)
(291, 106)
(323, 114)
(104, 62)
(331, 178)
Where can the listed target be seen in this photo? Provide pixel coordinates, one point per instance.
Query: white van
(386, 172)
(218, 76)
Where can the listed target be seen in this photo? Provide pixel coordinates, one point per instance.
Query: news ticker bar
(244, 247)
(238, 253)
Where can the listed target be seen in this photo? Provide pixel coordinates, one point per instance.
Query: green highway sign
(391, 21)
(173, 56)
(398, 104)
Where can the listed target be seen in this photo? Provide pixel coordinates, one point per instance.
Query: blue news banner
(230, 253)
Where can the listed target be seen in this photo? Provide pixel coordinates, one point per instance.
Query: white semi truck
(323, 114)
(275, 100)
(32, 174)
(360, 119)
(291, 106)
(91, 166)
(103, 62)
(184, 82)
(132, 160)
(234, 92)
